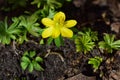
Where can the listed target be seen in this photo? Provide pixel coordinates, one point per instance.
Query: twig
(54, 53)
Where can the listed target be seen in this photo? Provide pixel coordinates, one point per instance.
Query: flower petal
(70, 23)
(65, 32)
(56, 33)
(47, 22)
(59, 17)
(47, 32)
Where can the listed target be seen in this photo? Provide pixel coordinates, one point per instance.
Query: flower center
(57, 26)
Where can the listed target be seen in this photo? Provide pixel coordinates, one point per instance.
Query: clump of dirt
(9, 64)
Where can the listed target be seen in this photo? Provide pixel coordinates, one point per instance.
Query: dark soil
(63, 63)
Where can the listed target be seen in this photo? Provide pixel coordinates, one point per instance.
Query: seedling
(27, 25)
(95, 62)
(8, 33)
(109, 44)
(90, 33)
(30, 24)
(84, 42)
(31, 61)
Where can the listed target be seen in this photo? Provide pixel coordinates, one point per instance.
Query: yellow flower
(58, 26)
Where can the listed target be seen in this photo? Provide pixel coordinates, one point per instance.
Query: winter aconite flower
(58, 26)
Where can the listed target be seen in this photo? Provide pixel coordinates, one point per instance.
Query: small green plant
(8, 33)
(84, 44)
(31, 61)
(28, 24)
(42, 13)
(95, 62)
(109, 44)
(84, 41)
(90, 33)
(47, 3)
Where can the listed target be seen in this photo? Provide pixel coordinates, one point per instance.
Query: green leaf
(37, 66)
(38, 5)
(38, 2)
(14, 24)
(42, 41)
(40, 31)
(6, 25)
(99, 58)
(25, 59)
(8, 33)
(23, 38)
(13, 37)
(26, 53)
(38, 59)
(51, 13)
(30, 67)
(28, 24)
(68, 0)
(57, 41)
(32, 54)
(24, 65)
(49, 41)
(13, 31)
(109, 44)
(95, 62)
(102, 44)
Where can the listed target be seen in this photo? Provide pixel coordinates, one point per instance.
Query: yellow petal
(56, 33)
(59, 17)
(70, 23)
(47, 22)
(65, 32)
(47, 32)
